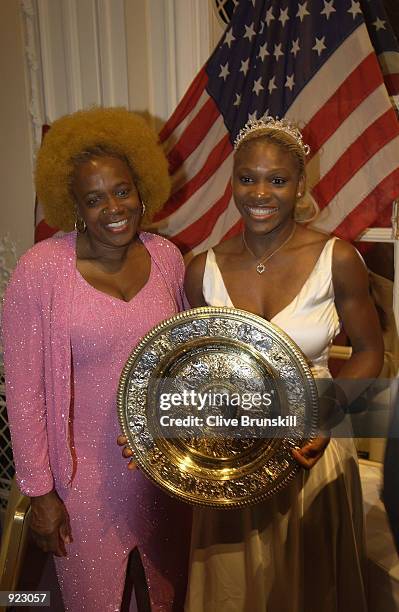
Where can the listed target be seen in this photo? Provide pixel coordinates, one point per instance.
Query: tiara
(270, 123)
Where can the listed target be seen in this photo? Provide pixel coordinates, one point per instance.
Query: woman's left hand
(126, 453)
(310, 453)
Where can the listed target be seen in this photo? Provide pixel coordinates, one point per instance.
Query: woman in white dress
(302, 550)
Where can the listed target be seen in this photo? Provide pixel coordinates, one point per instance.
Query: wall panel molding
(33, 71)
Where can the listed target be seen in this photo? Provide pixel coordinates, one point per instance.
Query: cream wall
(17, 206)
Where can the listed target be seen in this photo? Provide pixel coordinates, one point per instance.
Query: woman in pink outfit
(75, 308)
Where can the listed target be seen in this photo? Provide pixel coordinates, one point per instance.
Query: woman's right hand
(127, 453)
(50, 525)
(308, 455)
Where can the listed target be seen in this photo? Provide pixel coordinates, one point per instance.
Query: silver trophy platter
(212, 401)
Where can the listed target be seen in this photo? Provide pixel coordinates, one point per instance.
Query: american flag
(314, 62)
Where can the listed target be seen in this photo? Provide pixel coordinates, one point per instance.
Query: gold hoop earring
(143, 206)
(80, 225)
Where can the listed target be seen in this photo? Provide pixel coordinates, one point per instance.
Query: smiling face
(266, 183)
(108, 201)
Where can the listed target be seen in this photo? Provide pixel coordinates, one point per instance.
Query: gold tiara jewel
(271, 123)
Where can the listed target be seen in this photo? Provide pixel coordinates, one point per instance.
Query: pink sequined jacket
(37, 354)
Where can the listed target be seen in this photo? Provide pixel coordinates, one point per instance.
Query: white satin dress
(302, 550)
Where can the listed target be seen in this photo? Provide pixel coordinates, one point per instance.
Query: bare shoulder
(307, 237)
(346, 257)
(230, 246)
(193, 280)
(349, 272)
(195, 267)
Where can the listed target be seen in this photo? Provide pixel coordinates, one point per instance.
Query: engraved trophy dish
(212, 401)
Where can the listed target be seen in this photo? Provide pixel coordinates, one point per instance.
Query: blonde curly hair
(89, 133)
